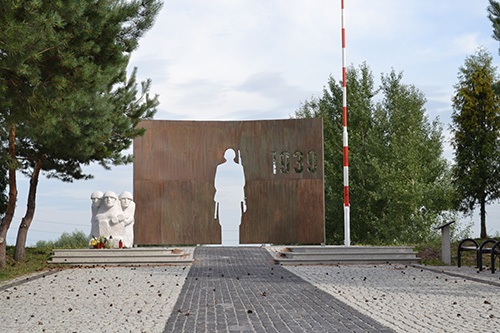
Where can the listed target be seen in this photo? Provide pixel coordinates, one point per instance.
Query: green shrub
(75, 240)
(41, 244)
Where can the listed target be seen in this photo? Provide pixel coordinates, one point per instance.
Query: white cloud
(465, 44)
(249, 59)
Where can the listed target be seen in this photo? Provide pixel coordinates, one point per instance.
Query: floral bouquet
(94, 242)
(101, 242)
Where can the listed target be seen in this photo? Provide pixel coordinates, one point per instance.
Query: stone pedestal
(446, 242)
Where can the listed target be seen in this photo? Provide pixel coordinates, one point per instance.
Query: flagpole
(347, 229)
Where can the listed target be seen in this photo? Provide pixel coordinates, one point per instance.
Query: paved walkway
(92, 299)
(414, 298)
(240, 289)
(272, 298)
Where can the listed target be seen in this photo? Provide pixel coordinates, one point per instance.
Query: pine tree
(476, 130)
(68, 100)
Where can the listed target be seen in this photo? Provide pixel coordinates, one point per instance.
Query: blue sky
(260, 59)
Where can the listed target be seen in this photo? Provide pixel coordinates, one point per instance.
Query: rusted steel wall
(174, 172)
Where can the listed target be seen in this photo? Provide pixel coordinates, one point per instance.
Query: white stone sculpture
(113, 217)
(107, 218)
(127, 217)
(96, 198)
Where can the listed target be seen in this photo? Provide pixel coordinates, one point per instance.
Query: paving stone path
(414, 298)
(240, 289)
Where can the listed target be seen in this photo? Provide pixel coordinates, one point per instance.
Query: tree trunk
(11, 206)
(22, 234)
(483, 218)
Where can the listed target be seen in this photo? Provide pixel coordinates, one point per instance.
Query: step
(116, 260)
(135, 256)
(312, 255)
(351, 261)
(342, 256)
(112, 252)
(350, 249)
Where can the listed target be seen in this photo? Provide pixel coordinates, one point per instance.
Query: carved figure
(96, 198)
(107, 217)
(127, 217)
(230, 202)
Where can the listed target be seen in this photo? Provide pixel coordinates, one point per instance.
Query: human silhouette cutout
(230, 203)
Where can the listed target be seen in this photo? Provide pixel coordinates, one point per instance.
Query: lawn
(36, 260)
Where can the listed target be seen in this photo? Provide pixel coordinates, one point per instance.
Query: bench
(479, 249)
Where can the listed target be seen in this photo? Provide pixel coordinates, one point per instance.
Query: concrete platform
(135, 256)
(313, 255)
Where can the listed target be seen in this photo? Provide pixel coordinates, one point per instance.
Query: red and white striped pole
(347, 228)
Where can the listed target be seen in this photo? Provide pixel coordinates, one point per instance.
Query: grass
(36, 261)
(36, 257)
(430, 254)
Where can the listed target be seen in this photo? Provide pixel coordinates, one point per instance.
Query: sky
(261, 59)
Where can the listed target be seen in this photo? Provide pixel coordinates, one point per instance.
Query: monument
(127, 218)
(281, 193)
(96, 198)
(113, 218)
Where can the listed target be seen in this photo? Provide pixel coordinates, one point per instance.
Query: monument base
(134, 256)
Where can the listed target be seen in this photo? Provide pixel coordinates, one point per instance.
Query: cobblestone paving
(413, 298)
(110, 299)
(241, 290)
